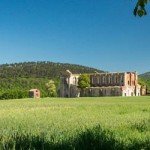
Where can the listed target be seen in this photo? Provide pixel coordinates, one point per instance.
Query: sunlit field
(81, 123)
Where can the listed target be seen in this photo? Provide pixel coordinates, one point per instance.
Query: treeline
(40, 69)
(15, 87)
(14, 94)
(17, 79)
(145, 80)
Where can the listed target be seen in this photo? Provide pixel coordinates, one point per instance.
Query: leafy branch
(140, 8)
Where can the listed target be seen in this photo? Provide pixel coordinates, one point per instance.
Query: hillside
(145, 79)
(20, 77)
(145, 75)
(41, 69)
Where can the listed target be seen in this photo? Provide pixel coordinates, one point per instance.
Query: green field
(81, 123)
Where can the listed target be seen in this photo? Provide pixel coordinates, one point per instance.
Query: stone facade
(34, 93)
(101, 91)
(69, 85)
(102, 84)
(143, 90)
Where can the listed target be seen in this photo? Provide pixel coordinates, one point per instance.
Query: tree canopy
(140, 8)
(84, 81)
(51, 88)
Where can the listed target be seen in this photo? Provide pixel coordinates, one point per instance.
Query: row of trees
(19, 87)
(18, 78)
(40, 70)
(49, 89)
(14, 94)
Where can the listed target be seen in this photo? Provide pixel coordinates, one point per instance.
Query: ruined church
(102, 84)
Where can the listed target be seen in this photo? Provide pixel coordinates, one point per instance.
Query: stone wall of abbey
(102, 84)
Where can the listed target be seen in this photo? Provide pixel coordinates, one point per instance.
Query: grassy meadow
(80, 123)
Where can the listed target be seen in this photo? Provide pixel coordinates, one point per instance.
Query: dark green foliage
(19, 78)
(14, 94)
(141, 82)
(21, 85)
(140, 8)
(40, 70)
(144, 79)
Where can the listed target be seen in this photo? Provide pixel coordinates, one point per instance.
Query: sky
(98, 33)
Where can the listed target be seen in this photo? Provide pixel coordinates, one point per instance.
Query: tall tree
(51, 88)
(84, 81)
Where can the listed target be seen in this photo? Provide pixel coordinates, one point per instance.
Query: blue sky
(96, 33)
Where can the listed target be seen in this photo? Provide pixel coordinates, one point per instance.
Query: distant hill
(18, 78)
(41, 69)
(145, 75)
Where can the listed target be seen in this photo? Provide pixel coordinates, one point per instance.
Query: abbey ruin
(102, 84)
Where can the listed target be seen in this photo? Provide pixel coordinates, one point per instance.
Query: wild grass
(80, 123)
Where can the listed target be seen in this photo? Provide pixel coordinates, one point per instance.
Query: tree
(140, 8)
(84, 81)
(51, 88)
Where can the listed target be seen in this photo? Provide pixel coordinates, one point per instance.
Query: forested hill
(145, 75)
(17, 79)
(41, 69)
(145, 80)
